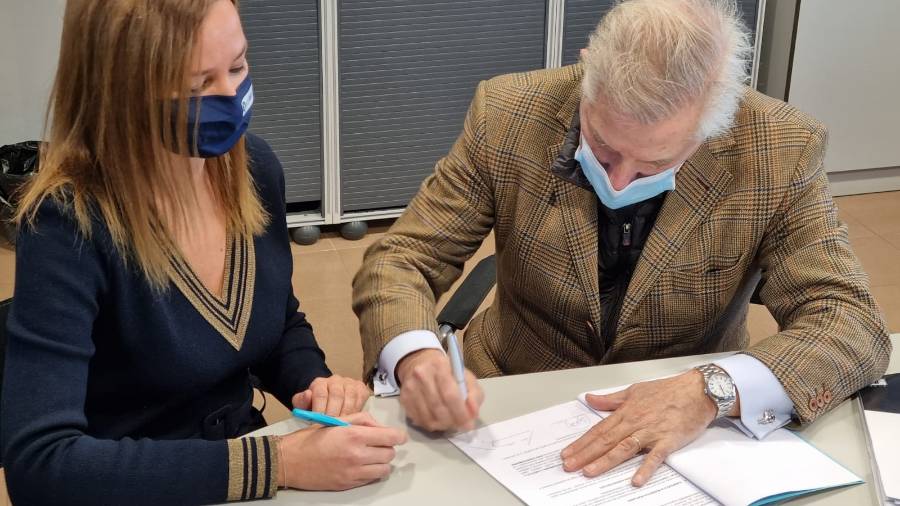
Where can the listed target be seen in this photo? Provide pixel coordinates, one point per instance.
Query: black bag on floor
(18, 162)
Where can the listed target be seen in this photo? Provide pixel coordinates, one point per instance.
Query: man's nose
(620, 175)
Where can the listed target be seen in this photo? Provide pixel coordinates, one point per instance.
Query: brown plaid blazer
(754, 199)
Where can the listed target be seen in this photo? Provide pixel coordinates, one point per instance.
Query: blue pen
(319, 418)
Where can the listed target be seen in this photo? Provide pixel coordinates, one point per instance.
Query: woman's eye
(238, 70)
(198, 89)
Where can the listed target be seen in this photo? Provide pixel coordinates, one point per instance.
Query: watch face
(720, 386)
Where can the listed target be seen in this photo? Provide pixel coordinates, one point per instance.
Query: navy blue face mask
(222, 122)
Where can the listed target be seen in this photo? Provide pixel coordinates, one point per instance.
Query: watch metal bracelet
(723, 403)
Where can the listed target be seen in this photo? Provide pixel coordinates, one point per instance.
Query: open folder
(881, 420)
(722, 466)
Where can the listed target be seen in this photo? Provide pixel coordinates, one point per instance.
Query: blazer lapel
(579, 211)
(578, 205)
(699, 186)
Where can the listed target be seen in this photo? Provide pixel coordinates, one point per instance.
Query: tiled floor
(323, 273)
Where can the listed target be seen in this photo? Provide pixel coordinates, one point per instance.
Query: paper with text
(739, 470)
(523, 454)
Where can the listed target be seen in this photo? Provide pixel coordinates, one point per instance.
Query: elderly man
(635, 198)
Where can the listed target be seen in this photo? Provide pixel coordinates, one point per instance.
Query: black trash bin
(18, 162)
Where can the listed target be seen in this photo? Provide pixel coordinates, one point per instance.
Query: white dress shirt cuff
(765, 406)
(385, 382)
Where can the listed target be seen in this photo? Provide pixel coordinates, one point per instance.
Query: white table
(430, 471)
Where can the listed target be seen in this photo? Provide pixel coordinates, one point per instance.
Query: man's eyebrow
(597, 137)
(600, 140)
(658, 162)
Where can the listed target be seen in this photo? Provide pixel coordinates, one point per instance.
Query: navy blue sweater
(116, 394)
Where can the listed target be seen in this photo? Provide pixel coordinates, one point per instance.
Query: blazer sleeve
(297, 358)
(832, 338)
(425, 250)
(49, 456)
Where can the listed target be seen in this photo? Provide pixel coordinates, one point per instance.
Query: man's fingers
(427, 387)
(319, 391)
(474, 400)
(651, 463)
(598, 445)
(475, 391)
(609, 402)
(601, 427)
(416, 404)
(441, 417)
(625, 450)
(453, 401)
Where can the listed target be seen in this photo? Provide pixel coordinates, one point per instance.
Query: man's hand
(661, 416)
(430, 395)
(334, 396)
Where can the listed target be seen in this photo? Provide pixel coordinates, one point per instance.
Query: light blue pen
(319, 418)
(456, 359)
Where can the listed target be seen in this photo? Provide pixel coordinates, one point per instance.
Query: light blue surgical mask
(639, 190)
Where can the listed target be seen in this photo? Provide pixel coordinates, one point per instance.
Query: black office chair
(471, 293)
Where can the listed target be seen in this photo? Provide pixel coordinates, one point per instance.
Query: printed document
(722, 466)
(523, 454)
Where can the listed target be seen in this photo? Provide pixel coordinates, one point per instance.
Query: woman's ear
(582, 53)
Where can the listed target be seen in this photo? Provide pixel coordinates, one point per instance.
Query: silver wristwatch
(719, 387)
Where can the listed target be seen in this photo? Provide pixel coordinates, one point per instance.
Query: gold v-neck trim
(228, 313)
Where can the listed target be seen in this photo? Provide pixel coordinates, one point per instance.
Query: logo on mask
(247, 102)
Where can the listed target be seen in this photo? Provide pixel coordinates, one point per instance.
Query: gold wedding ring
(637, 442)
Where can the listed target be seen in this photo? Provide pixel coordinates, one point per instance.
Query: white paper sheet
(739, 470)
(884, 430)
(523, 454)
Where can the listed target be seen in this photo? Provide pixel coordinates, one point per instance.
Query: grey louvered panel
(284, 64)
(409, 69)
(582, 17)
(749, 10)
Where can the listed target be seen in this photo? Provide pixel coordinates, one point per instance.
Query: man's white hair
(648, 59)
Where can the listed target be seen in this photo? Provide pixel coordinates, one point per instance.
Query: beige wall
(774, 58)
(846, 74)
(29, 45)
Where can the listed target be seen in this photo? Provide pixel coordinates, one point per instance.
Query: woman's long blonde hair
(110, 140)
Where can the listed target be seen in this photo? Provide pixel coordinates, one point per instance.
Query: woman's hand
(338, 458)
(334, 396)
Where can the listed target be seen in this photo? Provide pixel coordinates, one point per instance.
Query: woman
(153, 282)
